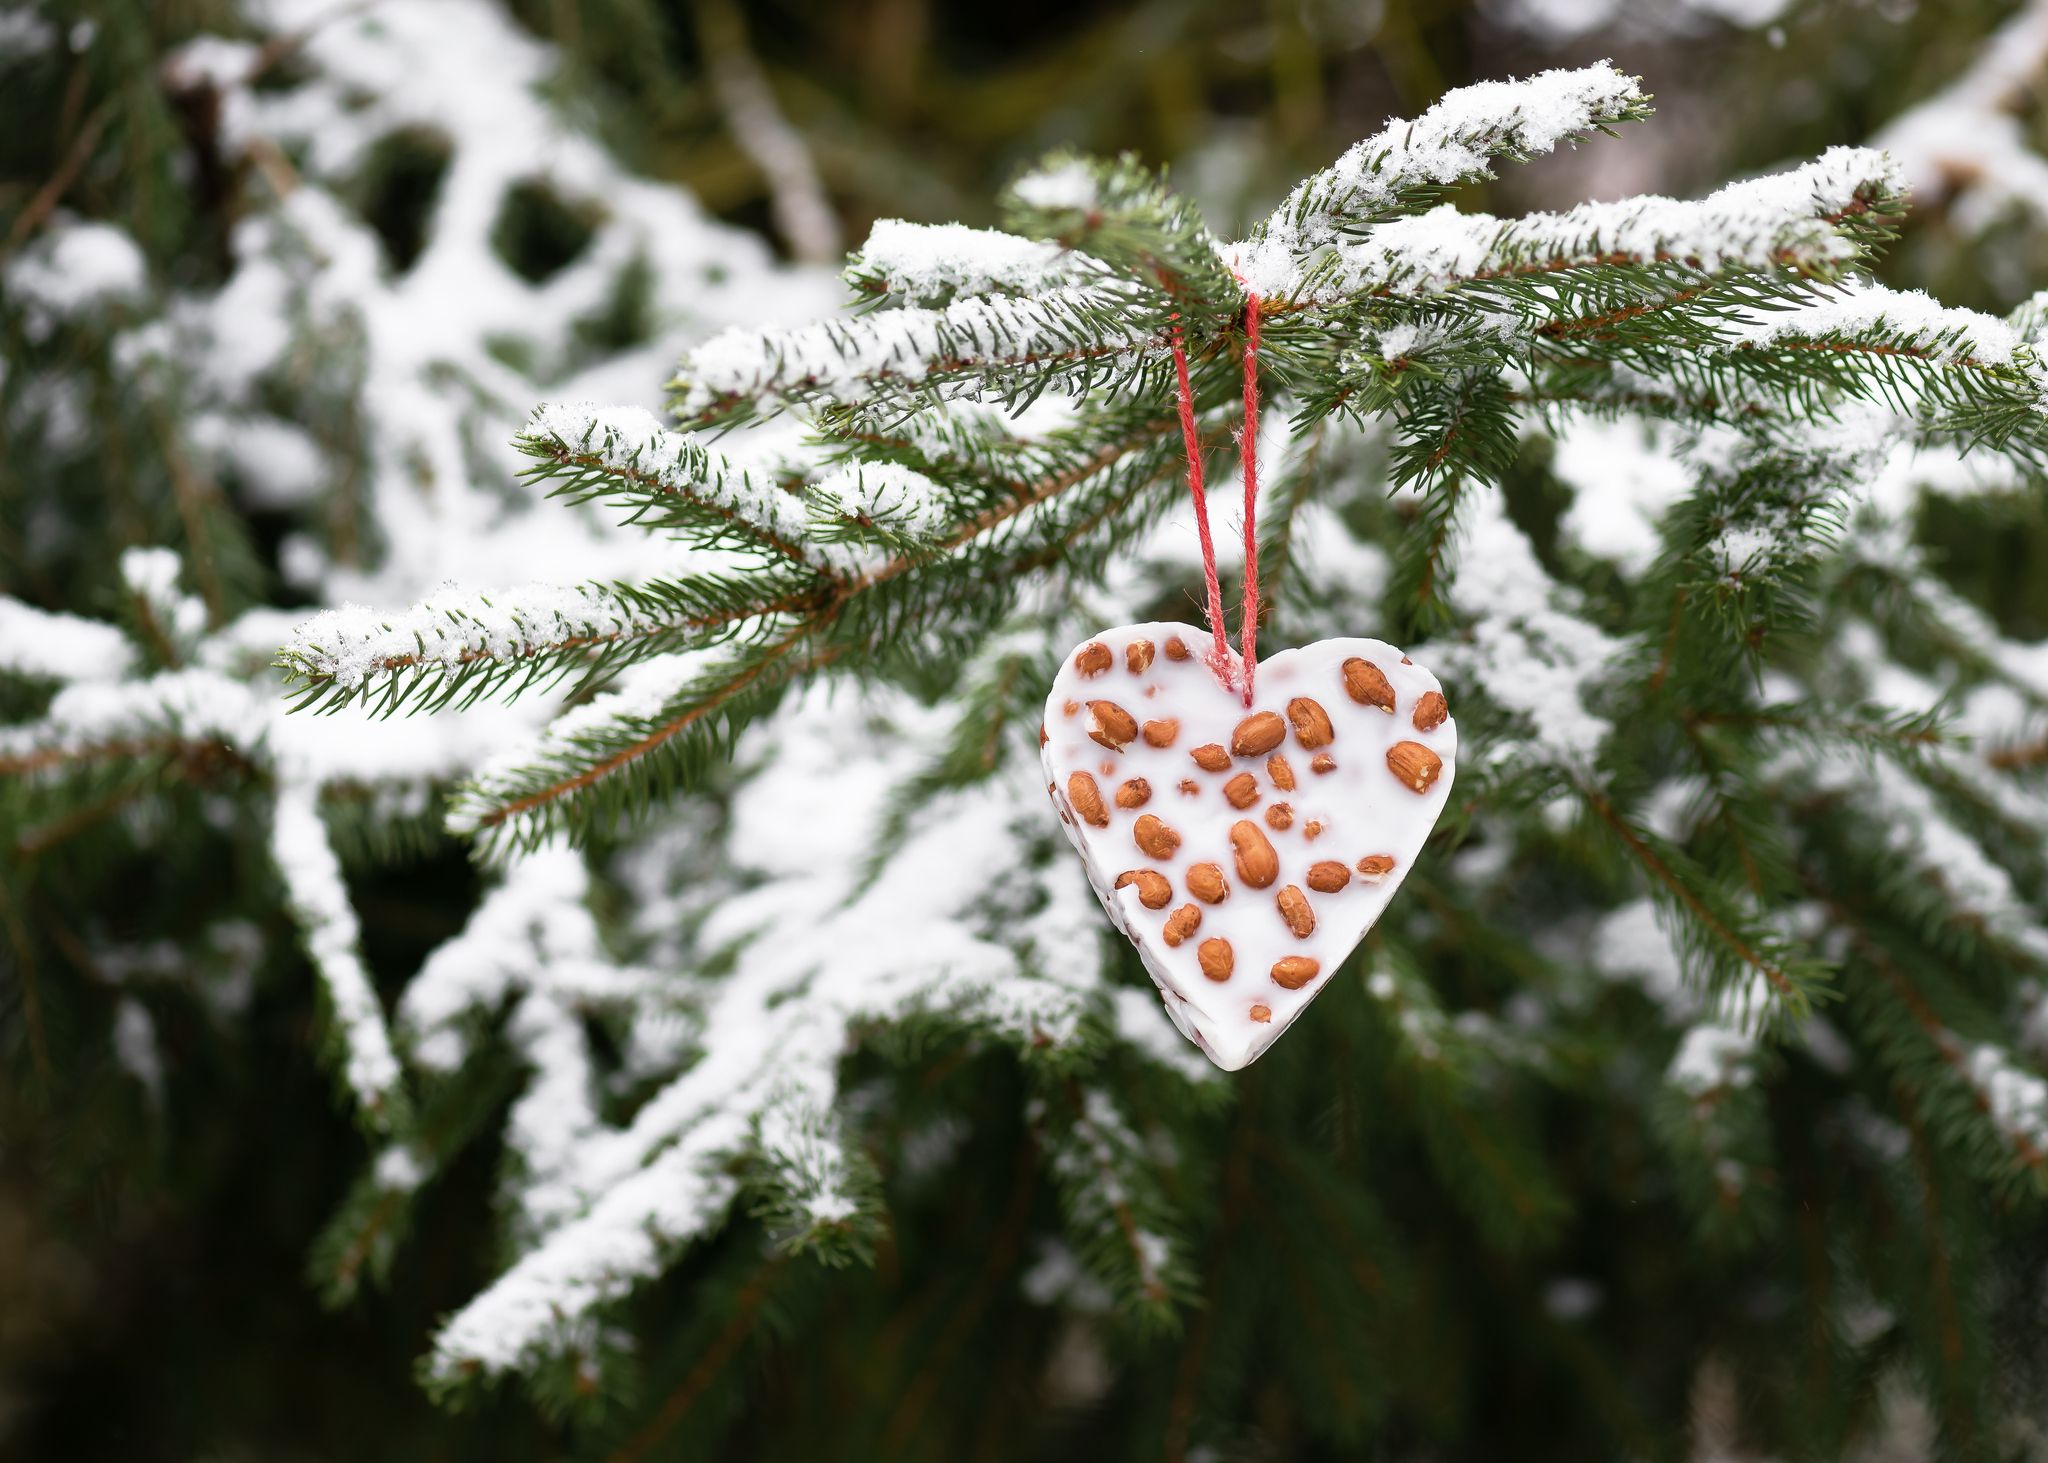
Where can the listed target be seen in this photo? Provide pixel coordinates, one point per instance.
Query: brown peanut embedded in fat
(1280, 772)
(1138, 656)
(1134, 794)
(1217, 959)
(1257, 864)
(1260, 1012)
(1324, 762)
(1189, 787)
(1242, 790)
(1311, 830)
(1431, 711)
(1087, 800)
(1328, 876)
(1110, 725)
(1367, 684)
(1414, 764)
(1176, 648)
(1093, 659)
(1161, 733)
(1293, 907)
(1376, 866)
(1154, 837)
(1295, 971)
(1311, 723)
(1153, 890)
(1206, 883)
(1258, 734)
(1280, 817)
(1210, 757)
(1181, 923)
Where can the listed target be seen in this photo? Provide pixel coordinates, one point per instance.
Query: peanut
(1324, 762)
(1293, 906)
(1217, 959)
(1414, 764)
(1205, 882)
(1311, 830)
(1176, 648)
(1087, 800)
(1431, 711)
(1210, 757)
(1154, 837)
(1280, 817)
(1110, 725)
(1242, 790)
(1181, 923)
(1260, 1012)
(1295, 971)
(1189, 787)
(1368, 684)
(1153, 890)
(1311, 723)
(1161, 733)
(1280, 772)
(1138, 656)
(1093, 659)
(1328, 876)
(1257, 864)
(1376, 866)
(1134, 794)
(1258, 734)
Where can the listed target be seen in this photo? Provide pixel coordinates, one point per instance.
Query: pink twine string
(1248, 444)
(1219, 654)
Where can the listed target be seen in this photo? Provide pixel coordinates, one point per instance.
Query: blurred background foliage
(153, 1294)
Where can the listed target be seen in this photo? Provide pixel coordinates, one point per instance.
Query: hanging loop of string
(1248, 450)
(1219, 653)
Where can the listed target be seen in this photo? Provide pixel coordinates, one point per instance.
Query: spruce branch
(1071, 339)
(614, 754)
(1410, 164)
(1727, 943)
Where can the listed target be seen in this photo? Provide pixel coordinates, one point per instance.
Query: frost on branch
(934, 264)
(446, 633)
(1057, 340)
(1814, 219)
(319, 900)
(1455, 141)
(1524, 645)
(770, 1061)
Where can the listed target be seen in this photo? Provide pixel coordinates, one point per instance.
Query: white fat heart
(1255, 845)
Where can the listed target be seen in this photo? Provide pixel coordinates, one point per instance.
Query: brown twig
(713, 1361)
(47, 197)
(1684, 893)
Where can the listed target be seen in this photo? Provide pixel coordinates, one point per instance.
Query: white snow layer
(930, 263)
(1455, 139)
(59, 647)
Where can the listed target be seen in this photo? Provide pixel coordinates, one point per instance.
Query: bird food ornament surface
(1245, 849)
